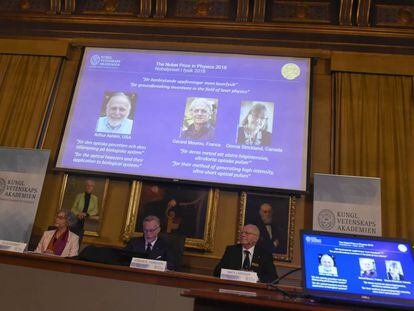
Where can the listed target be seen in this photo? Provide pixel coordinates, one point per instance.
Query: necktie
(246, 261)
(148, 249)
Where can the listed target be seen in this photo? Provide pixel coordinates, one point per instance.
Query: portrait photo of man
(327, 266)
(116, 115)
(255, 123)
(368, 268)
(199, 118)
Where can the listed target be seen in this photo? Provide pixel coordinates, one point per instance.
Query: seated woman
(60, 241)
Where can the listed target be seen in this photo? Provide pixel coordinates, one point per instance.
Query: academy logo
(95, 60)
(326, 219)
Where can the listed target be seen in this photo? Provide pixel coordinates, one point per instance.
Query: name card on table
(238, 275)
(12, 246)
(148, 264)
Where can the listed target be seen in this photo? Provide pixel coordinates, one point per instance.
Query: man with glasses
(150, 245)
(248, 256)
(200, 113)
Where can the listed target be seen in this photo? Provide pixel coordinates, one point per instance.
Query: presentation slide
(218, 118)
(364, 267)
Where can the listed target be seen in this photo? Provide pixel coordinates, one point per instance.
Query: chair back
(176, 244)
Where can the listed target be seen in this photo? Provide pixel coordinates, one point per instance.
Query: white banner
(148, 264)
(22, 172)
(347, 204)
(239, 275)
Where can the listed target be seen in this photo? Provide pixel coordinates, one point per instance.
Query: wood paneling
(373, 63)
(34, 47)
(394, 14)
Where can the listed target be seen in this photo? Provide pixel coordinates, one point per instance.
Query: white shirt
(251, 251)
(269, 230)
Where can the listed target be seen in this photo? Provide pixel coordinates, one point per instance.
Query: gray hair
(119, 95)
(257, 108)
(254, 227)
(70, 217)
(202, 101)
(152, 218)
(90, 181)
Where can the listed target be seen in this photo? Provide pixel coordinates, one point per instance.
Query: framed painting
(184, 210)
(85, 197)
(274, 215)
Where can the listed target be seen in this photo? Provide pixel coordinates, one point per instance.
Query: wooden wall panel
(394, 15)
(373, 63)
(324, 12)
(209, 9)
(34, 47)
(29, 6)
(114, 7)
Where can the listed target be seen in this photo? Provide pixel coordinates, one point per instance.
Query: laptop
(358, 269)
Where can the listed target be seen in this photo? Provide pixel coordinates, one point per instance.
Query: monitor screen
(358, 268)
(205, 117)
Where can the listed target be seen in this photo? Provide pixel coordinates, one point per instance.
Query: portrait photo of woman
(255, 125)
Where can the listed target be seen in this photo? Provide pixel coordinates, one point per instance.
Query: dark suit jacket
(267, 242)
(262, 262)
(160, 251)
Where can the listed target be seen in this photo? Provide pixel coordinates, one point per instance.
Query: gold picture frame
(194, 212)
(278, 235)
(72, 186)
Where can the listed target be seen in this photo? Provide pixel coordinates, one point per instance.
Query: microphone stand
(274, 285)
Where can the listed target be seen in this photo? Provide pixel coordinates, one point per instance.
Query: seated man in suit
(150, 244)
(248, 256)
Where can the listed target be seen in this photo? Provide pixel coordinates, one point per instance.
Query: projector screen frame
(235, 187)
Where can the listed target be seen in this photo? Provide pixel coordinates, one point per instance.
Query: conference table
(36, 282)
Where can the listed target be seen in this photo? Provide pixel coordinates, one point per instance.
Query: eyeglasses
(150, 230)
(247, 233)
(60, 217)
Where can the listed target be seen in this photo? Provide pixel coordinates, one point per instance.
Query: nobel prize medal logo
(326, 219)
(290, 71)
(402, 248)
(95, 59)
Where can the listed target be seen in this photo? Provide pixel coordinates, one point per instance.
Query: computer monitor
(358, 269)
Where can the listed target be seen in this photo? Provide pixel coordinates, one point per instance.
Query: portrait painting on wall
(85, 196)
(274, 216)
(183, 210)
